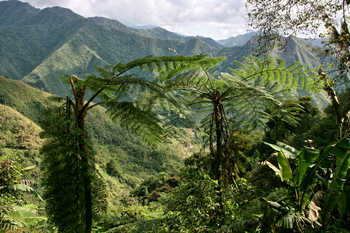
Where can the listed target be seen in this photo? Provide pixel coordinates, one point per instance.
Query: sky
(218, 19)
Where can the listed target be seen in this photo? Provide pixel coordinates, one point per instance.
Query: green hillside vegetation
(156, 32)
(127, 157)
(38, 46)
(120, 153)
(27, 100)
(123, 159)
(17, 131)
(262, 155)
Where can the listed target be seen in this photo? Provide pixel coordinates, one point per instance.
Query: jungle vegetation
(259, 157)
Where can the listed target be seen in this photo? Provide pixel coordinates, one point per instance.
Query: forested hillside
(38, 46)
(130, 158)
(108, 128)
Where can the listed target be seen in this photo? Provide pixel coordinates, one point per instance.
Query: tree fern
(246, 97)
(72, 183)
(64, 173)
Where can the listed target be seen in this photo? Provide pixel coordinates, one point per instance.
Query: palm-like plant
(242, 97)
(68, 154)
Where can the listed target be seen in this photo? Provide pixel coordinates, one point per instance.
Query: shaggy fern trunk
(81, 111)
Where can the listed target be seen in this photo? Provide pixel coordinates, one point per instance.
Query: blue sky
(218, 19)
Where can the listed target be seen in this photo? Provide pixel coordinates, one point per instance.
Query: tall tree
(71, 180)
(242, 98)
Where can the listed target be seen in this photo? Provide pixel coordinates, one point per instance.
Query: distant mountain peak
(14, 11)
(143, 26)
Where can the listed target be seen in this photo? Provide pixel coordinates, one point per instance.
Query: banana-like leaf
(342, 201)
(307, 174)
(306, 158)
(274, 168)
(288, 151)
(334, 192)
(285, 169)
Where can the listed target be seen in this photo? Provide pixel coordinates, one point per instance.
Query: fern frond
(56, 99)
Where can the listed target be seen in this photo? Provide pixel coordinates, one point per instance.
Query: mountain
(296, 50)
(152, 32)
(155, 32)
(39, 46)
(210, 42)
(196, 46)
(237, 40)
(11, 12)
(143, 27)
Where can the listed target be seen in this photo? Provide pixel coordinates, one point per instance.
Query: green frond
(56, 99)
(145, 123)
(281, 63)
(158, 64)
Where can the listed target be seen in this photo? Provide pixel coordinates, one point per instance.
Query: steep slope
(120, 153)
(27, 43)
(196, 46)
(17, 131)
(89, 46)
(27, 100)
(210, 42)
(297, 50)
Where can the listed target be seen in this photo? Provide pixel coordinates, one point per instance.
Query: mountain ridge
(55, 41)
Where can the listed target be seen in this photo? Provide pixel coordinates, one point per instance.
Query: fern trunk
(81, 110)
(218, 108)
(217, 166)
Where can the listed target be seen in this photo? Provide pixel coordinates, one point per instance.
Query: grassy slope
(117, 148)
(27, 100)
(17, 131)
(91, 46)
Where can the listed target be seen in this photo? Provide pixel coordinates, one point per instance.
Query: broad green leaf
(344, 143)
(274, 168)
(306, 158)
(334, 192)
(288, 151)
(342, 202)
(285, 170)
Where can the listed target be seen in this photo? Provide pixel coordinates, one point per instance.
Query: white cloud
(218, 19)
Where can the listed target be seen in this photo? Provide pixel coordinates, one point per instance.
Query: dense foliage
(215, 168)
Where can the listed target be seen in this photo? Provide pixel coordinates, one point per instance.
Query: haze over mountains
(39, 46)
